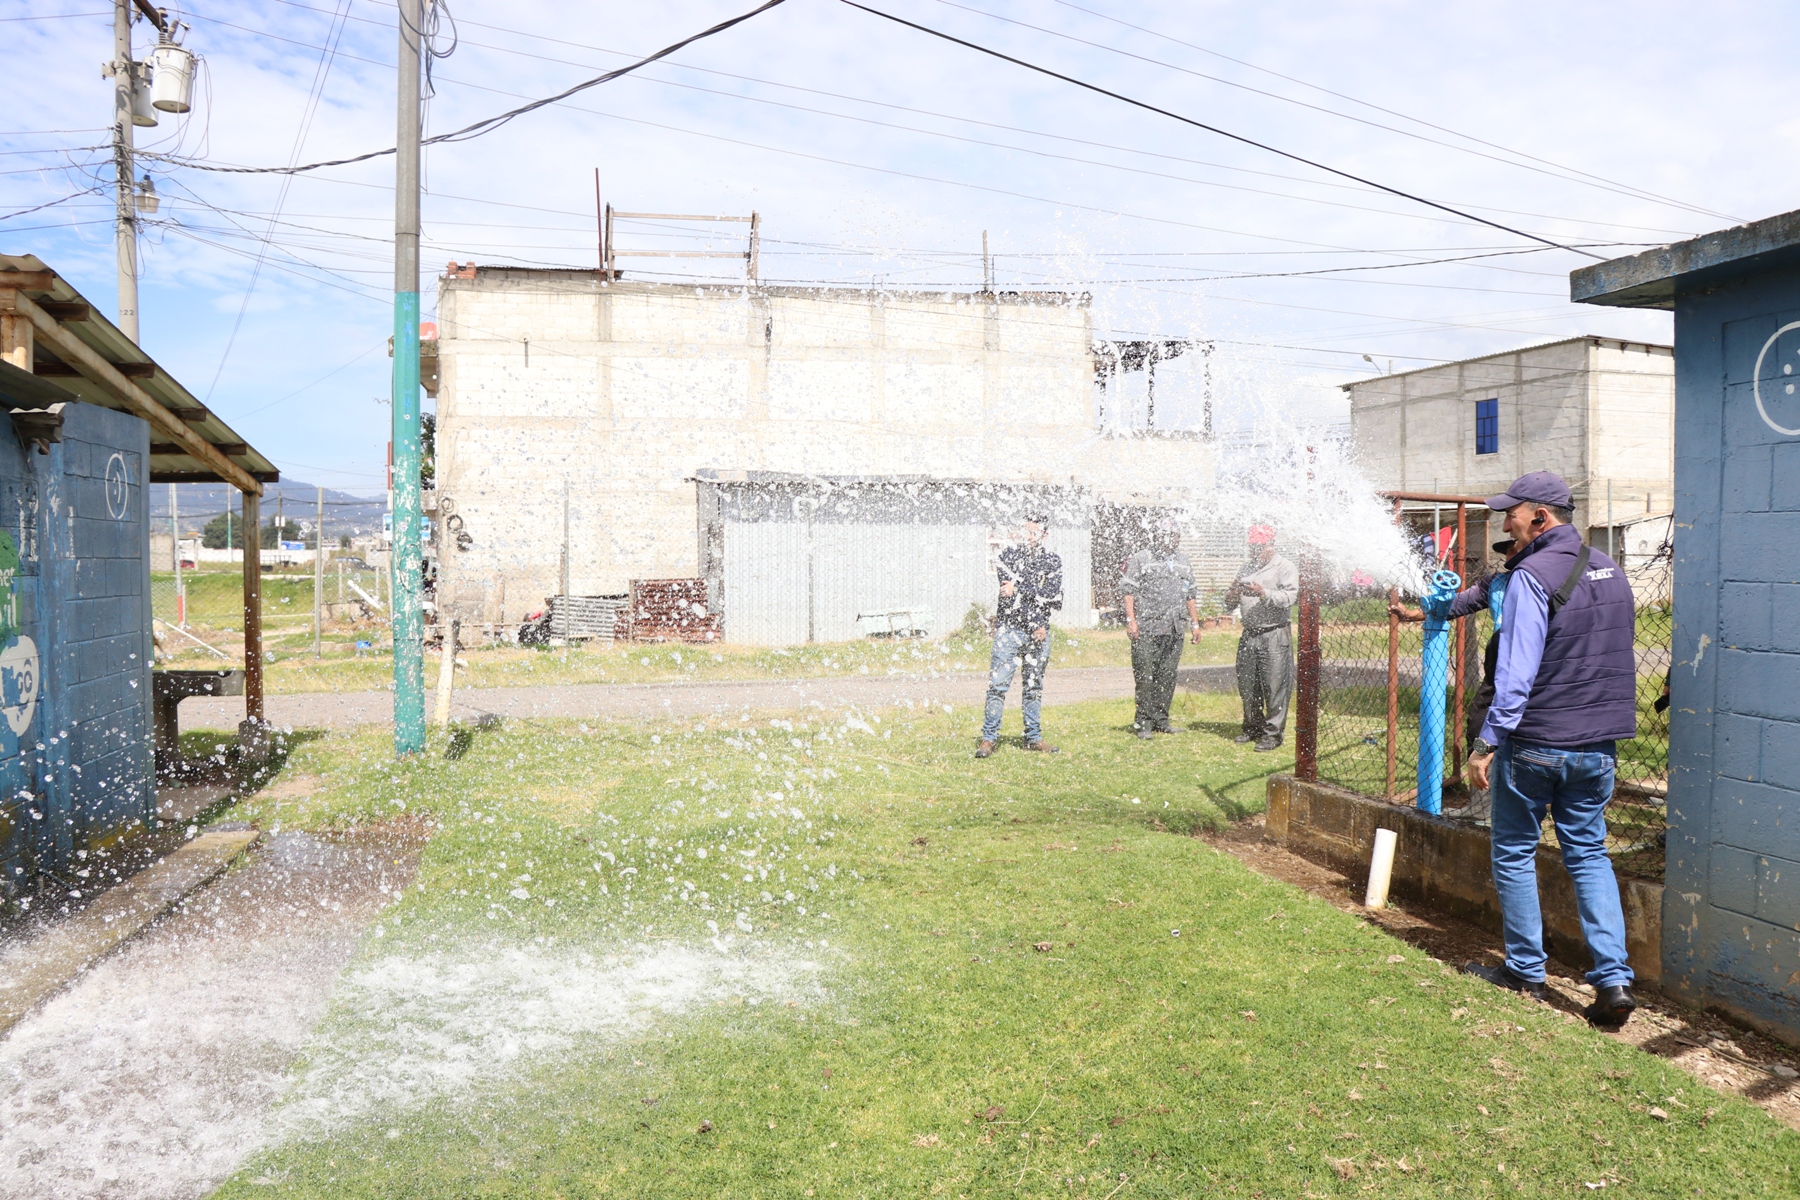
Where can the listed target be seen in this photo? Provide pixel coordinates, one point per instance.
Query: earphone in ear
(1537, 520)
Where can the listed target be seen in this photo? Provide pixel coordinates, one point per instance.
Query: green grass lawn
(897, 971)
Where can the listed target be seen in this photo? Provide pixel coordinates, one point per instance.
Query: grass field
(833, 956)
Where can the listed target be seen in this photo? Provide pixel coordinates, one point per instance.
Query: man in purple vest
(1565, 691)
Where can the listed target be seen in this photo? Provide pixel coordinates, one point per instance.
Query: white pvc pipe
(1381, 868)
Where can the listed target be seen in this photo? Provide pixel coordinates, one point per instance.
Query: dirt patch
(294, 787)
(1716, 1051)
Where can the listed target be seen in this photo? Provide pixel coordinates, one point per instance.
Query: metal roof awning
(72, 348)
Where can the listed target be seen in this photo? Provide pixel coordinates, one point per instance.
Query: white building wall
(1590, 409)
(553, 385)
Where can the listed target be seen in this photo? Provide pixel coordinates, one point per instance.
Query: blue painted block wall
(1731, 908)
(75, 645)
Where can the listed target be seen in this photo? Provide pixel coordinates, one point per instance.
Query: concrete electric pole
(124, 76)
(407, 608)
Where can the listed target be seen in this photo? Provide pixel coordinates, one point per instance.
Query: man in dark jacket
(1030, 590)
(1565, 692)
(1158, 586)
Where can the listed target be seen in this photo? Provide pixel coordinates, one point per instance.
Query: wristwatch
(1482, 748)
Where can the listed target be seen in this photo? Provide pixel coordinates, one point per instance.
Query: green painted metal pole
(407, 608)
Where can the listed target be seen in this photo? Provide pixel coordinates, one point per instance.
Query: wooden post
(251, 536)
(1306, 719)
(446, 671)
(319, 580)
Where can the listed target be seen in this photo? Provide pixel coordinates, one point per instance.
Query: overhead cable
(489, 124)
(1236, 137)
(1599, 180)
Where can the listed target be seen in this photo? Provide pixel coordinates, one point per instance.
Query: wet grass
(1034, 985)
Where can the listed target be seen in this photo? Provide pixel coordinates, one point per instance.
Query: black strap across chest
(1569, 585)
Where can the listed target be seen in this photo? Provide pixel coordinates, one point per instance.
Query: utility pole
(124, 75)
(987, 266)
(406, 607)
(319, 580)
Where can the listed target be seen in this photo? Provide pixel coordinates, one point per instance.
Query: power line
(1598, 179)
(489, 124)
(1236, 137)
(929, 132)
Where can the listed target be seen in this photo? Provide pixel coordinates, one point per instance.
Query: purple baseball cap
(1538, 487)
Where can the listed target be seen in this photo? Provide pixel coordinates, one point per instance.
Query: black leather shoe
(1268, 744)
(1612, 1006)
(1503, 977)
(1144, 733)
(1243, 739)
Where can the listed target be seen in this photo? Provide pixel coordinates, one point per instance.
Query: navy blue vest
(1586, 686)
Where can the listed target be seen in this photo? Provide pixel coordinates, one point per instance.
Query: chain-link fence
(1367, 694)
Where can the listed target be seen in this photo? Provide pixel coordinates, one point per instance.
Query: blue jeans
(1014, 648)
(1573, 786)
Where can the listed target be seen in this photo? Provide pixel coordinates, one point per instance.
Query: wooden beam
(232, 448)
(36, 281)
(66, 310)
(157, 476)
(193, 416)
(253, 649)
(50, 368)
(72, 349)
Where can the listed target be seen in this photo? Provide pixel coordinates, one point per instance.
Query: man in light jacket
(1264, 590)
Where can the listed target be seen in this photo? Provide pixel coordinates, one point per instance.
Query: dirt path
(1718, 1053)
(347, 710)
(152, 1075)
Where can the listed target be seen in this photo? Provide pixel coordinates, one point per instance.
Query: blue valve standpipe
(1434, 685)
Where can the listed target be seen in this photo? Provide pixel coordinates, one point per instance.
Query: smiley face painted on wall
(1781, 365)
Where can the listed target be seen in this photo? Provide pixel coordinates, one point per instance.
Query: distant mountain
(198, 503)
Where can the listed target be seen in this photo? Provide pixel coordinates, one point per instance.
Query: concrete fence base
(1445, 864)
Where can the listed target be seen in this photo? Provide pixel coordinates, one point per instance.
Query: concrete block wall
(75, 642)
(1590, 409)
(1732, 910)
(556, 389)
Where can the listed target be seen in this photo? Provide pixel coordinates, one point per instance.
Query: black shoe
(1145, 733)
(1268, 744)
(1503, 977)
(1612, 1006)
(1167, 728)
(1243, 739)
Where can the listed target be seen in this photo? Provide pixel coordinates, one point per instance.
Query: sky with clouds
(877, 154)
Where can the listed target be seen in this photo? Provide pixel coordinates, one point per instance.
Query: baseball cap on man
(1538, 487)
(1261, 535)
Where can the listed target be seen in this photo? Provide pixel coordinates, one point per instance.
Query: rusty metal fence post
(1306, 719)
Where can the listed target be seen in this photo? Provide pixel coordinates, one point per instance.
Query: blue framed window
(1487, 426)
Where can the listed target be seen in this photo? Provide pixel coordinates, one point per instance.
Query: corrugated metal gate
(802, 563)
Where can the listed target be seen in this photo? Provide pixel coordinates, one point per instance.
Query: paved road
(347, 710)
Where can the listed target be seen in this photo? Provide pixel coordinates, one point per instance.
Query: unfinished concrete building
(818, 456)
(1600, 412)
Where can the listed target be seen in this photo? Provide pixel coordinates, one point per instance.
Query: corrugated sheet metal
(865, 567)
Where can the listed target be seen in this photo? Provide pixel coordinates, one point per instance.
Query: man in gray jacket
(1265, 590)
(1158, 585)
